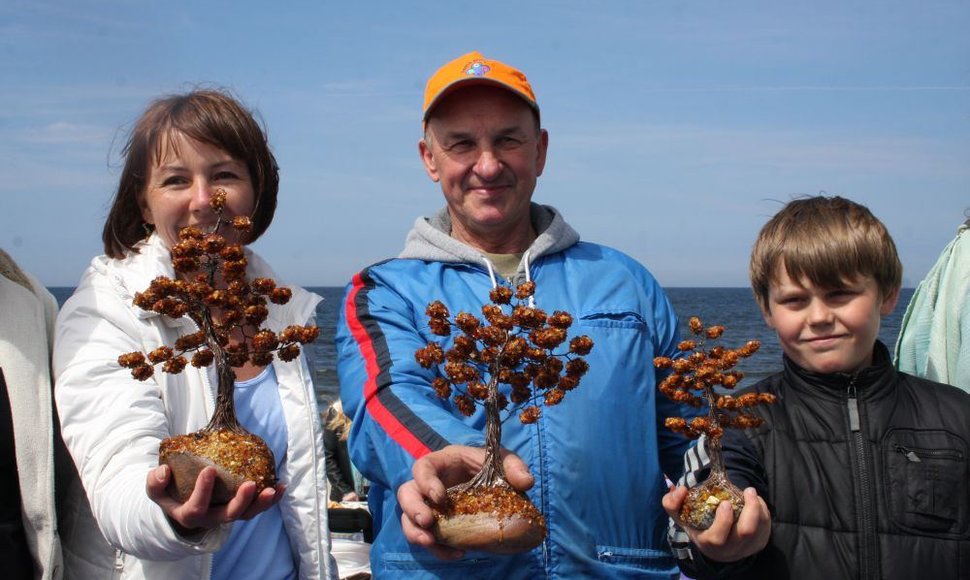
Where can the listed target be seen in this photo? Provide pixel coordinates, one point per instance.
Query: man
(595, 463)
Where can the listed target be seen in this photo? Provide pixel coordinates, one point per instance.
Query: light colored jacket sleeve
(112, 424)
(934, 340)
(26, 310)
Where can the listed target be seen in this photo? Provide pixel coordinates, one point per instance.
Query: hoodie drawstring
(528, 277)
(491, 271)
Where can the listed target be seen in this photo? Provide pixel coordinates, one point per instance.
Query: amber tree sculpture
(212, 290)
(520, 350)
(693, 381)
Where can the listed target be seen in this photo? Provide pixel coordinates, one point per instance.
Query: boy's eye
(789, 298)
(842, 294)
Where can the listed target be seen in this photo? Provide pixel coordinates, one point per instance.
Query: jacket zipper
(207, 559)
(513, 281)
(867, 528)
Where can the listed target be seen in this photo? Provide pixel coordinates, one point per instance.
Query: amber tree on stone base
(520, 350)
(693, 381)
(212, 290)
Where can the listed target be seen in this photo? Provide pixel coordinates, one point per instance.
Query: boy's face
(827, 330)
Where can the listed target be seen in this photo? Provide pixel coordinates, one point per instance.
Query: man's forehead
(451, 131)
(491, 117)
(478, 97)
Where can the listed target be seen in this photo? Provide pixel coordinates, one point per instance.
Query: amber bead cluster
(695, 376)
(513, 344)
(212, 290)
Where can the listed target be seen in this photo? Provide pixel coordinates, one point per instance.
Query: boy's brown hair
(825, 240)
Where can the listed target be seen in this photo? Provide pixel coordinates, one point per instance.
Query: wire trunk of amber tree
(224, 416)
(714, 443)
(492, 473)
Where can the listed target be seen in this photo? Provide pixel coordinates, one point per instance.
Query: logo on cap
(477, 69)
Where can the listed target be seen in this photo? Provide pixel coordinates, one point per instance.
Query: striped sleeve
(696, 466)
(397, 418)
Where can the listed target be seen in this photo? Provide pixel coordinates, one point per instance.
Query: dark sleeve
(745, 469)
(14, 551)
(743, 462)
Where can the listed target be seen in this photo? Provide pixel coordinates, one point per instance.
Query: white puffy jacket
(112, 424)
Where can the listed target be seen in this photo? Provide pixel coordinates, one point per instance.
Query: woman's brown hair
(209, 116)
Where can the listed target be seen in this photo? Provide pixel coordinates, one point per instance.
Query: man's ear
(542, 147)
(427, 157)
(889, 303)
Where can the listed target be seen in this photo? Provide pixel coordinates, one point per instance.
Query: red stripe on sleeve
(381, 414)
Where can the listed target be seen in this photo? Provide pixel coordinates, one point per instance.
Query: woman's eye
(226, 175)
(173, 180)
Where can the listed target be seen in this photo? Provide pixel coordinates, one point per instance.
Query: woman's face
(182, 181)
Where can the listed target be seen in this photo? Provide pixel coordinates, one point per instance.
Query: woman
(340, 471)
(183, 149)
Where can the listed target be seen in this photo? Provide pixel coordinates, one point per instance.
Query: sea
(735, 308)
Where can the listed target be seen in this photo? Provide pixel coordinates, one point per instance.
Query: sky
(676, 128)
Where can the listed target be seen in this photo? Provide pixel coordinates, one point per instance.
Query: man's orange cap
(473, 68)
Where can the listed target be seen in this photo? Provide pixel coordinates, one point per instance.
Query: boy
(859, 471)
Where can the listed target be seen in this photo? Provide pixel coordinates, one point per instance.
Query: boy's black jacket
(866, 476)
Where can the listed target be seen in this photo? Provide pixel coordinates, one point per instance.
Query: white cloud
(67, 133)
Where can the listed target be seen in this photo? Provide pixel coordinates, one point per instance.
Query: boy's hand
(726, 540)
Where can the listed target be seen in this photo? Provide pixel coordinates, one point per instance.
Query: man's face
(484, 148)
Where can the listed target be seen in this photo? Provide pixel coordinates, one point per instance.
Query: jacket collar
(871, 382)
(430, 238)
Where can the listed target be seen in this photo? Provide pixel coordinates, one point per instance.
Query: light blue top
(259, 548)
(933, 340)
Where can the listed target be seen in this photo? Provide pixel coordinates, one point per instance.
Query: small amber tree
(693, 381)
(212, 290)
(517, 345)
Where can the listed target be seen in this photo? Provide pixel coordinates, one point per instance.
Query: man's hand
(433, 475)
(196, 515)
(726, 540)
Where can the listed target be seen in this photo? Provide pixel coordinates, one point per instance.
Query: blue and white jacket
(598, 458)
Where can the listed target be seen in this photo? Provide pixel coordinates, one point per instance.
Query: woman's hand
(196, 515)
(726, 540)
(433, 474)
(350, 496)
